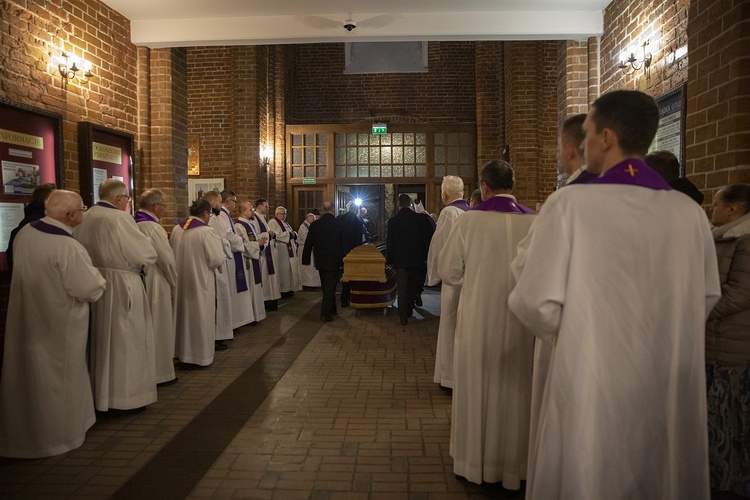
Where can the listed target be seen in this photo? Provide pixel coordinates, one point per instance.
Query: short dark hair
(572, 131)
(737, 193)
(476, 195)
(226, 194)
(632, 115)
(199, 207)
(42, 192)
(259, 202)
(498, 175)
(404, 200)
(664, 162)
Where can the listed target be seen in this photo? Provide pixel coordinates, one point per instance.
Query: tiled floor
(295, 408)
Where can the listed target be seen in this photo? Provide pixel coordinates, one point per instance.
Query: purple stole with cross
(239, 265)
(635, 172)
(42, 226)
(503, 204)
(190, 223)
(289, 248)
(269, 252)
(256, 264)
(141, 216)
(460, 203)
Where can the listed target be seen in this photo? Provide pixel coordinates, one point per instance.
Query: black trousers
(328, 281)
(346, 293)
(407, 280)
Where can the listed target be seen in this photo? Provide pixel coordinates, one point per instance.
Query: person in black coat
(668, 166)
(32, 212)
(407, 244)
(352, 236)
(324, 241)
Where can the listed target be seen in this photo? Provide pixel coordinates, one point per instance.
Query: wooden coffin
(364, 263)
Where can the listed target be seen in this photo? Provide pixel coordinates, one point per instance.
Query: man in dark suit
(352, 236)
(324, 240)
(407, 244)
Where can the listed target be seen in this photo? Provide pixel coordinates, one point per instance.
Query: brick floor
(295, 408)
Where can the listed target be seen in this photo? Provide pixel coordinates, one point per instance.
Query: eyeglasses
(79, 209)
(125, 195)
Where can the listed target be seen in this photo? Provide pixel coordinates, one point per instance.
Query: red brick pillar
(490, 95)
(245, 131)
(572, 84)
(718, 109)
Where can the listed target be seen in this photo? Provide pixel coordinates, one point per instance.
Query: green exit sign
(308, 180)
(379, 128)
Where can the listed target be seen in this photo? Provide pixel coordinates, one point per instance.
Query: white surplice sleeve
(451, 263)
(539, 295)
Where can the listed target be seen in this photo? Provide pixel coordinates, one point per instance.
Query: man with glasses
(285, 253)
(240, 290)
(161, 281)
(45, 393)
(123, 371)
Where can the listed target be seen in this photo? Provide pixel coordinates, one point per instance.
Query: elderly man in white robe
(253, 246)
(46, 404)
(224, 322)
(620, 274)
(271, 291)
(308, 274)
(123, 367)
(492, 357)
(239, 282)
(161, 281)
(199, 251)
(285, 253)
(451, 192)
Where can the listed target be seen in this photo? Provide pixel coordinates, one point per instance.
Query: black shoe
(220, 345)
(404, 321)
(326, 319)
(345, 304)
(418, 300)
(271, 305)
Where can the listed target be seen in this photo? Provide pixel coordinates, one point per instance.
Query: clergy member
(199, 251)
(240, 291)
(253, 247)
(621, 274)
(46, 405)
(451, 192)
(271, 292)
(161, 281)
(308, 275)
(492, 357)
(570, 143)
(123, 367)
(224, 324)
(285, 253)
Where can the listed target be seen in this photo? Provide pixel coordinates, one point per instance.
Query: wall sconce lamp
(630, 62)
(265, 157)
(73, 69)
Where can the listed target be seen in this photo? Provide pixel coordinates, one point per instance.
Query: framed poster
(31, 152)
(104, 154)
(670, 136)
(198, 187)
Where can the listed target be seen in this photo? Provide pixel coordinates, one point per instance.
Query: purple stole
(289, 248)
(269, 252)
(503, 204)
(239, 265)
(190, 223)
(42, 226)
(634, 172)
(460, 203)
(141, 216)
(256, 264)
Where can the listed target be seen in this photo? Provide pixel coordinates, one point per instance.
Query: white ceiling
(182, 23)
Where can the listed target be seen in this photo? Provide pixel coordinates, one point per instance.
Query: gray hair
(151, 197)
(111, 188)
(62, 201)
(452, 185)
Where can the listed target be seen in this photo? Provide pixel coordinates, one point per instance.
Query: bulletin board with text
(104, 154)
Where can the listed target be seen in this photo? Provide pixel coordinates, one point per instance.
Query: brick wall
(323, 94)
(490, 102)
(718, 111)
(29, 32)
